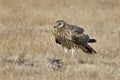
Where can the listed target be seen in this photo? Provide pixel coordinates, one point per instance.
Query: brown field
(27, 45)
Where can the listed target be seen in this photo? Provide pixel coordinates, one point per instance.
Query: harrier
(72, 37)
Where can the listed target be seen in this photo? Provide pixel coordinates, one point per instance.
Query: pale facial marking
(59, 25)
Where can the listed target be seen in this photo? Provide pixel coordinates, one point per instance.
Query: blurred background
(44, 12)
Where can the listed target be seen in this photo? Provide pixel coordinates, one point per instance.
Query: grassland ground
(27, 45)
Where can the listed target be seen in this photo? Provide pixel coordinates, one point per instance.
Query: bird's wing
(82, 39)
(79, 38)
(77, 35)
(77, 29)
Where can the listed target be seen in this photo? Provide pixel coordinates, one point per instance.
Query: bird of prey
(72, 37)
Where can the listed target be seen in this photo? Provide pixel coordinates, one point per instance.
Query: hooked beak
(55, 27)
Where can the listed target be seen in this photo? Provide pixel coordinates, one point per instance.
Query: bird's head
(58, 25)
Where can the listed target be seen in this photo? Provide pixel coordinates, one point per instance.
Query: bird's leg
(73, 57)
(64, 55)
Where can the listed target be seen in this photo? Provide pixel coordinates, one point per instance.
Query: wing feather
(77, 29)
(81, 39)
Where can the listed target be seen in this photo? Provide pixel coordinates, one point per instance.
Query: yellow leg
(64, 56)
(73, 58)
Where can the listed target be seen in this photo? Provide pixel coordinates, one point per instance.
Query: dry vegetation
(26, 43)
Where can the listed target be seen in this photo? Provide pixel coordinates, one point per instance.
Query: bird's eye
(60, 23)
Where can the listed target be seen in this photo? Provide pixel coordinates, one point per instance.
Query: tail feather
(87, 49)
(92, 41)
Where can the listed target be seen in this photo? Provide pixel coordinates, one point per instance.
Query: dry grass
(26, 43)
